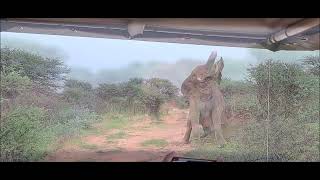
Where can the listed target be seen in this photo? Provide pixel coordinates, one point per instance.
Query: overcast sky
(99, 53)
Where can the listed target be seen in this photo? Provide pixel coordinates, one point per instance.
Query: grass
(116, 121)
(208, 148)
(91, 131)
(230, 152)
(155, 142)
(119, 135)
(78, 142)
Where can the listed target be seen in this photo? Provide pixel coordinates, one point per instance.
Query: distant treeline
(235, 69)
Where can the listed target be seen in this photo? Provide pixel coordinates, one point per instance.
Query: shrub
(71, 83)
(182, 102)
(13, 84)
(22, 135)
(70, 121)
(289, 140)
(164, 86)
(284, 88)
(135, 96)
(152, 100)
(312, 64)
(41, 70)
(28, 132)
(155, 93)
(292, 94)
(79, 93)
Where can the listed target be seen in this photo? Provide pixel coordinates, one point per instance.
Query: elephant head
(203, 75)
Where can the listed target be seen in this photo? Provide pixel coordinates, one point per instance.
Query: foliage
(152, 99)
(285, 88)
(312, 64)
(41, 70)
(71, 83)
(79, 93)
(182, 102)
(291, 91)
(231, 152)
(28, 133)
(156, 92)
(22, 134)
(137, 95)
(70, 121)
(33, 116)
(240, 97)
(13, 84)
(164, 86)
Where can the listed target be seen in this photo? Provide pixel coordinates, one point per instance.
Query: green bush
(41, 70)
(312, 64)
(79, 93)
(293, 103)
(13, 84)
(240, 97)
(165, 88)
(71, 83)
(285, 88)
(23, 135)
(35, 116)
(71, 121)
(156, 92)
(230, 87)
(152, 100)
(288, 140)
(29, 132)
(182, 102)
(135, 96)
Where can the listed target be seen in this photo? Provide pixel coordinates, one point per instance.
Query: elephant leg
(206, 127)
(188, 132)
(216, 120)
(193, 117)
(206, 121)
(219, 136)
(202, 122)
(206, 132)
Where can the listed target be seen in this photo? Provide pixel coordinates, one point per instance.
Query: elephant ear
(186, 86)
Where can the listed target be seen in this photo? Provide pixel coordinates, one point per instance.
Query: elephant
(206, 101)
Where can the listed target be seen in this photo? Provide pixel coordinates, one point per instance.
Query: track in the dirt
(129, 149)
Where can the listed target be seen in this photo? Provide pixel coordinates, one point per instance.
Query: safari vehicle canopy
(268, 33)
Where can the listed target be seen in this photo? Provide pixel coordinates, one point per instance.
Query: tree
(79, 93)
(152, 99)
(71, 83)
(13, 84)
(155, 92)
(107, 91)
(284, 86)
(164, 86)
(47, 72)
(287, 89)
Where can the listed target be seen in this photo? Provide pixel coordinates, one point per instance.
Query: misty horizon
(98, 60)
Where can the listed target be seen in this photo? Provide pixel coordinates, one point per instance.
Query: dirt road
(139, 140)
